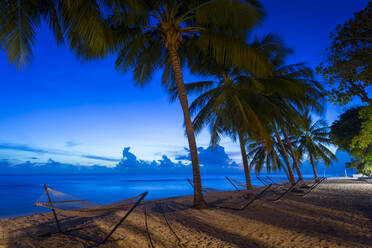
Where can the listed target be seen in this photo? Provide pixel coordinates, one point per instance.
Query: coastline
(336, 214)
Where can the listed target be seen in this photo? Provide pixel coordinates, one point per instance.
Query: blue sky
(86, 113)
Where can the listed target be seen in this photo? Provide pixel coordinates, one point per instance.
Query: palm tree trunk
(245, 162)
(199, 201)
(285, 156)
(293, 155)
(281, 164)
(316, 178)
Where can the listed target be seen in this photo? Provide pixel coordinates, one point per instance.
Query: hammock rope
(60, 201)
(63, 201)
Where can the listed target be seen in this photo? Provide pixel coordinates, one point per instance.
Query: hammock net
(238, 183)
(63, 201)
(205, 189)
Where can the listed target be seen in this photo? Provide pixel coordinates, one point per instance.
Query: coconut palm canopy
(313, 140)
(76, 23)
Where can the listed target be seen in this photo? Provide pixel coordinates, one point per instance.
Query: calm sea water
(18, 193)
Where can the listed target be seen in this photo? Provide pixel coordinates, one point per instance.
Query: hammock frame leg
(51, 205)
(69, 232)
(124, 217)
(190, 182)
(314, 186)
(258, 196)
(98, 243)
(228, 179)
(286, 192)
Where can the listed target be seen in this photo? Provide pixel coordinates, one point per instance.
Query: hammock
(236, 183)
(56, 200)
(204, 189)
(256, 197)
(62, 201)
(276, 181)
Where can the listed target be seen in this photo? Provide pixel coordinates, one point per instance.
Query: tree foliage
(77, 23)
(313, 140)
(348, 64)
(346, 128)
(352, 132)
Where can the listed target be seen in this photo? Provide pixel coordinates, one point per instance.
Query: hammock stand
(204, 189)
(50, 204)
(276, 181)
(316, 184)
(256, 197)
(236, 183)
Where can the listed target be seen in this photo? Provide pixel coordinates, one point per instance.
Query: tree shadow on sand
(311, 218)
(46, 234)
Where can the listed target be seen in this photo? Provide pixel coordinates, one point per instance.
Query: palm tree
(227, 108)
(232, 103)
(79, 23)
(241, 104)
(300, 90)
(153, 35)
(312, 141)
(149, 35)
(263, 155)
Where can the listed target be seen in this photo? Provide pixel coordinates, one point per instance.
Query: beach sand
(336, 214)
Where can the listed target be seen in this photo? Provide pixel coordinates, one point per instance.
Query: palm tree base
(249, 195)
(296, 190)
(200, 205)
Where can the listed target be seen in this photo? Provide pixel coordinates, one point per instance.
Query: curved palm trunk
(199, 201)
(316, 178)
(293, 155)
(245, 162)
(285, 156)
(281, 164)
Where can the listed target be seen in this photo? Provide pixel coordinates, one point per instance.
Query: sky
(85, 113)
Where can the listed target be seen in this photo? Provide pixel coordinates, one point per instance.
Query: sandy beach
(336, 214)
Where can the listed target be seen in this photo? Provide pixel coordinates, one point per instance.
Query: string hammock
(62, 201)
(56, 200)
(204, 189)
(236, 183)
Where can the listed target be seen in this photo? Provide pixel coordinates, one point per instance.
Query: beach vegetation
(352, 133)
(347, 66)
(78, 24)
(313, 140)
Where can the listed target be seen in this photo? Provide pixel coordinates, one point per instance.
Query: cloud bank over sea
(212, 160)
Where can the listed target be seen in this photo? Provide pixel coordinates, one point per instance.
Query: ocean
(18, 193)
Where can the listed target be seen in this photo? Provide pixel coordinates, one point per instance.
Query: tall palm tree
(79, 23)
(312, 141)
(292, 153)
(153, 35)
